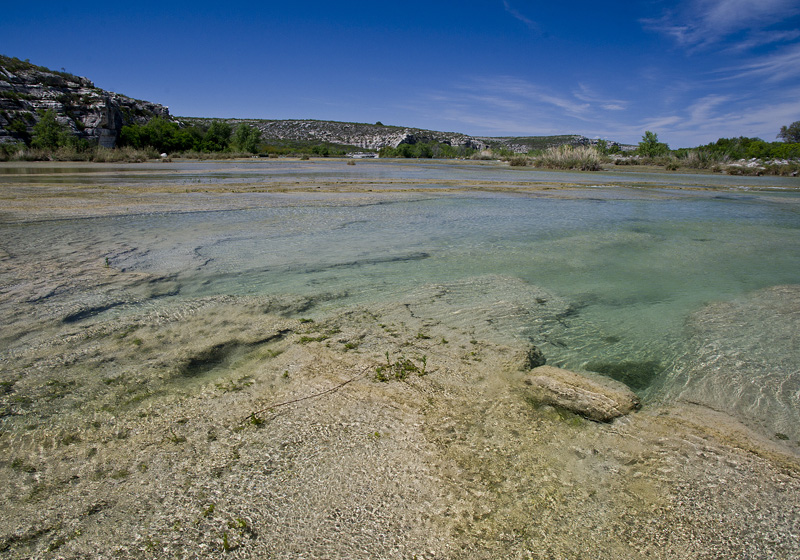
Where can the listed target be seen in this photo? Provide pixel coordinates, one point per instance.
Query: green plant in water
(401, 368)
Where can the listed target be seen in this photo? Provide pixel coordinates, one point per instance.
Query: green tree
(48, 133)
(790, 133)
(246, 138)
(651, 147)
(159, 133)
(217, 137)
(19, 129)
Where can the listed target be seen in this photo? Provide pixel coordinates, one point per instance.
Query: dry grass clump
(585, 158)
(702, 159)
(72, 153)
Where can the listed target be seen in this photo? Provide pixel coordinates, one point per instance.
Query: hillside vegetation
(55, 115)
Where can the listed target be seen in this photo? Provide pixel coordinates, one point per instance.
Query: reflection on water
(632, 268)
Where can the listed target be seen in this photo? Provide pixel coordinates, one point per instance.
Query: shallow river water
(646, 262)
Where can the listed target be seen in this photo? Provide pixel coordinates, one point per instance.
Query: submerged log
(594, 397)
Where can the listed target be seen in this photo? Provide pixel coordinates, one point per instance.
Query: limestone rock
(89, 112)
(594, 397)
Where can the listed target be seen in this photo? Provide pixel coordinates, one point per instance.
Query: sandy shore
(139, 424)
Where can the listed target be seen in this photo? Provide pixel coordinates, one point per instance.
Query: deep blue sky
(691, 71)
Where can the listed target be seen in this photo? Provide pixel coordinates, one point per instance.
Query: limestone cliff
(89, 112)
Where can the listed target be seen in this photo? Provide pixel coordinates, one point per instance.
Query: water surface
(642, 259)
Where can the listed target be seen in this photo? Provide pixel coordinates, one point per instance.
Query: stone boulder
(592, 396)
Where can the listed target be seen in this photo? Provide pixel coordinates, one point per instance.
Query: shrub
(585, 158)
(48, 133)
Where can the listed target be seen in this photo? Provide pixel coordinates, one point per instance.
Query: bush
(585, 158)
(700, 158)
(162, 135)
(426, 150)
(48, 133)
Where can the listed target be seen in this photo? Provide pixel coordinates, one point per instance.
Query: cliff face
(89, 112)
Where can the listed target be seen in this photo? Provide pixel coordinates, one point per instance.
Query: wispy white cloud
(761, 38)
(703, 109)
(521, 17)
(587, 94)
(512, 91)
(507, 105)
(701, 23)
(780, 65)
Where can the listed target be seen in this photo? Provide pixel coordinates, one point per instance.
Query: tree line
(169, 137)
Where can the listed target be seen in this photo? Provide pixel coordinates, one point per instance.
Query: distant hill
(89, 112)
(98, 115)
(376, 136)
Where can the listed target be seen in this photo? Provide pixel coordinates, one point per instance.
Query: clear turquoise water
(636, 265)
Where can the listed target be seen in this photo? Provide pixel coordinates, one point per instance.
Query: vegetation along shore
(56, 116)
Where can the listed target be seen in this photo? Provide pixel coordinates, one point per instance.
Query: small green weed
(401, 368)
(233, 385)
(120, 474)
(307, 339)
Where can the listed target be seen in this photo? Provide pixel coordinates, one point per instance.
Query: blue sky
(692, 71)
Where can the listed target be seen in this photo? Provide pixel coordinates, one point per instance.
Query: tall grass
(585, 158)
(70, 153)
(702, 159)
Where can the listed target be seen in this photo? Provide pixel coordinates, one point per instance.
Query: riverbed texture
(317, 360)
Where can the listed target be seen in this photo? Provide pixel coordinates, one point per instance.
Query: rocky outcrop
(594, 397)
(87, 111)
(98, 116)
(361, 135)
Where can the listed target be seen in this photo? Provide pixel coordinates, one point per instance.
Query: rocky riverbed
(138, 422)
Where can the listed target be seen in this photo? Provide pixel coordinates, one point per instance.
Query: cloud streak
(702, 23)
(516, 13)
(781, 65)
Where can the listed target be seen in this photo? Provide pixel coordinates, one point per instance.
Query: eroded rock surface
(88, 111)
(596, 398)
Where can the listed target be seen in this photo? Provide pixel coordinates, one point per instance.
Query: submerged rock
(534, 358)
(596, 398)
